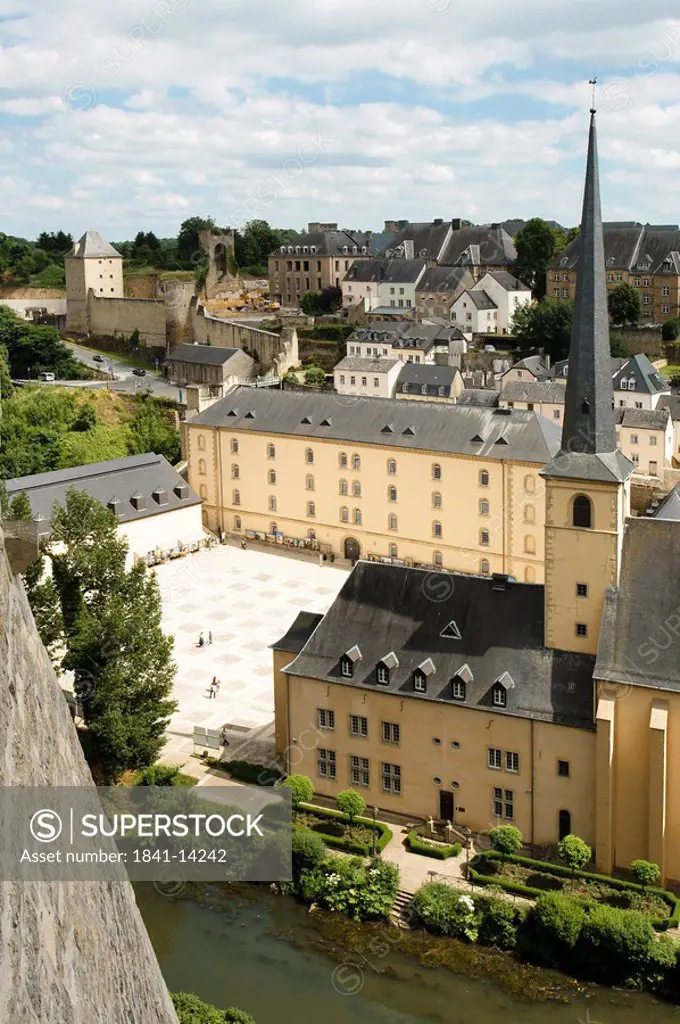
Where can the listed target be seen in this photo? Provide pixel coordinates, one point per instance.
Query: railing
(260, 382)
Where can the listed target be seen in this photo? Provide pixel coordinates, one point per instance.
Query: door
(565, 824)
(446, 805)
(352, 549)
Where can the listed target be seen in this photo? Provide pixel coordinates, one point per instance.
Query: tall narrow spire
(589, 429)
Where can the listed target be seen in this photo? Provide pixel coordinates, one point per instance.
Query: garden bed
(440, 851)
(336, 831)
(532, 878)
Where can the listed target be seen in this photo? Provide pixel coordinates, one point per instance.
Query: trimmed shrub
(351, 803)
(158, 775)
(444, 910)
(301, 789)
(439, 851)
(308, 849)
(345, 843)
(506, 840)
(574, 852)
(499, 924)
(245, 771)
(615, 945)
(556, 921)
(646, 872)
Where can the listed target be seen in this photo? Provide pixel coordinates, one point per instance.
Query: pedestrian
(213, 689)
(225, 741)
(209, 636)
(201, 641)
(218, 683)
(243, 544)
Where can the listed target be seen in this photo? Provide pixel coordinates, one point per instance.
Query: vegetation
(23, 262)
(444, 910)
(625, 304)
(537, 244)
(245, 771)
(320, 303)
(315, 376)
(646, 873)
(163, 775)
(301, 790)
(545, 324)
(574, 852)
(345, 885)
(28, 349)
(506, 840)
(192, 1010)
(440, 851)
(111, 635)
(350, 803)
(359, 836)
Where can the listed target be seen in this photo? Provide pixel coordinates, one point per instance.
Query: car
(139, 372)
(97, 359)
(46, 377)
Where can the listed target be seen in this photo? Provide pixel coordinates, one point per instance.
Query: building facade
(317, 260)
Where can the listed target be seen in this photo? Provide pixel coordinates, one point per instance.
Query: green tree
(153, 429)
(20, 507)
(537, 244)
(6, 386)
(319, 303)
(646, 872)
(189, 250)
(575, 853)
(625, 305)
(618, 347)
(86, 418)
(315, 376)
(57, 242)
(301, 790)
(351, 803)
(192, 1010)
(545, 324)
(46, 607)
(670, 329)
(506, 840)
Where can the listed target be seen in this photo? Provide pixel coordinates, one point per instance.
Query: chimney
(438, 221)
(456, 224)
(391, 226)
(409, 248)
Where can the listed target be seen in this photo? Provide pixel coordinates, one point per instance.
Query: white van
(46, 376)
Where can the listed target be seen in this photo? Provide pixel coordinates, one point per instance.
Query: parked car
(139, 372)
(98, 359)
(46, 376)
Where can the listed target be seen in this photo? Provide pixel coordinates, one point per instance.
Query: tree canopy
(537, 244)
(30, 349)
(545, 324)
(625, 305)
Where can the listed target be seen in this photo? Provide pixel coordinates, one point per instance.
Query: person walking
(213, 689)
(209, 636)
(218, 683)
(201, 641)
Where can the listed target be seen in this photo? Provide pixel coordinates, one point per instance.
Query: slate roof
(560, 369)
(428, 426)
(407, 335)
(429, 236)
(299, 633)
(210, 355)
(418, 375)
(367, 364)
(647, 378)
(672, 403)
(508, 281)
(646, 419)
(631, 246)
(385, 608)
(479, 299)
(327, 243)
(444, 279)
(668, 507)
(486, 244)
(386, 271)
(639, 632)
(91, 245)
(535, 364)
(117, 478)
(484, 398)
(552, 391)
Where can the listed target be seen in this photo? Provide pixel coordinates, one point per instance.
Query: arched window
(344, 515)
(394, 553)
(273, 527)
(342, 460)
(564, 820)
(529, 545)
(311, 508)
(582, 512)
(356, 488)
(484, 537)
(530, 574)
(356, 462)
(237, 522)
(236, 497)
(436, 499)
(272, 476)
(356, 516)
(201, 467)
(235, 471)
(484, 478)
(391, 466)
(484, 567)
(272, 503)
(271, 451)
(201, 443)
(234, 446)
(436, 471)
(436, 529)
(529, 484)
(309, 455)
(203, 491)
(483, 507)
(311, 534)
(437, 559)
(392, 522)
(309, 482)
(529, 514)
(344, 489)
(391, 493)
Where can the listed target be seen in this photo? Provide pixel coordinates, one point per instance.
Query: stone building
(317, 260)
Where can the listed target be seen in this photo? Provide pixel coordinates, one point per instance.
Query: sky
(136, 114)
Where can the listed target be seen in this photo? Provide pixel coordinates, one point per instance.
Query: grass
(122, 357)
(163, 275)
(334, 828)
(672, 370)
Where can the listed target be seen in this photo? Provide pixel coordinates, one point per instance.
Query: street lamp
(375, 815)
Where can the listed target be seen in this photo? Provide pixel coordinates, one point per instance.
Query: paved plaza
(247, 599)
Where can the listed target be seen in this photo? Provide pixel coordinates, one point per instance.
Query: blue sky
(137, 115)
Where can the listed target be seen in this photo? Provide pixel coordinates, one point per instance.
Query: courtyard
(247, 600)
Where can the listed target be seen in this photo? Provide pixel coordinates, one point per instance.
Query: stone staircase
(400, 912)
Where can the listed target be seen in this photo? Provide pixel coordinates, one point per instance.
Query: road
(125, 380)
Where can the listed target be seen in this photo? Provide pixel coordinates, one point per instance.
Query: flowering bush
(445, 911)
(345, 885)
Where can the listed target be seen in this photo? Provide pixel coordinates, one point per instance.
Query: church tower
(587, 483)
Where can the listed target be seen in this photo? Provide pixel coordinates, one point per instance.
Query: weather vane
(593, 81)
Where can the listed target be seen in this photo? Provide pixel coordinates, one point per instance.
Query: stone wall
(123, 316)
(70, 953)
(272, 352)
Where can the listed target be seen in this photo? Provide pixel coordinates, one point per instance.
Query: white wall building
(507, 292)
(363, 375)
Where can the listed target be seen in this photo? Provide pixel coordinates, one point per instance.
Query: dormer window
(385, 667)
(500, 697)
(459, 689)
(349, 659)
(382, 675)
(460, 681)
(419, 681)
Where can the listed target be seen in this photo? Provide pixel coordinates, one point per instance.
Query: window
(419, 682)
(503, 803)
(529, 545)
(235, 472)
(325, 718)
(458, 689)
(484, 478)
(393, 551)
(376, 382)
(357, 517)
(356, 462)
(234, 446)
(484, 537)
(391, 467)
(484, 507)
(634, 439)
(653, 466)
(342, 460)
(346, 667)
(437, 559)
(201, 467)
(364, 381)
(392, 522)
(582, 514)
(484, 567)
(391, 493)
(358, 725)
(436, 471)
(201, 443)
(495, 758)
(344, 515)
(511, 761)
(358, 771)
(390, 732)
(581, 629)
(529, 484)
(500, 697)
(652, 439)
(581, 589)
(382, 674)
(309, 455)
(271, 451)
(436, 499)
(344, 488)
(563, 769)
(309, 482)
(556, 414)
(311, 509)
(271, 475)
(236, 497)
(272, 503)
(326, 763)
(436, 529)
(203, 491)
(237, 523)
(634, 458)
(356, 489)
(665, 290)
(391, 778)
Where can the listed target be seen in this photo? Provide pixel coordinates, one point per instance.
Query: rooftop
(551, 391)
(416, 376)
(444, 279)
(91, 245)
(646, 419)
(641, 371)
(668, 507)
(484, 398)
(211, 355)
(481, 245)
(367, 364)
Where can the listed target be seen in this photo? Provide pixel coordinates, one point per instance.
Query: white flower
(467, 903)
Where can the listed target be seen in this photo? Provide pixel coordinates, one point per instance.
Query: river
(267, 955)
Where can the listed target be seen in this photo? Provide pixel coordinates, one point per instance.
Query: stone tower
(222, 272)
(587, 483)
(91, 264)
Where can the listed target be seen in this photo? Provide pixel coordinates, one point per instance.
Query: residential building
(507, 293)
(218, 368)
(373, 376)
(480, 248)
(485, 398)
(381, 282)
(426, 241)
(318, 259)
(474, 312)
(502, 701)
(410, 342)
(672, 403)
(646, 256)
(439, 287)
(638, 384)
(153, 505)
(645, 436)
(545, 396)
(532, 368)
(429, 383)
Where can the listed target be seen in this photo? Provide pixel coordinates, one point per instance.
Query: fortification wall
(70, 953)
(123, 316)
(177, 296)
(272, 352)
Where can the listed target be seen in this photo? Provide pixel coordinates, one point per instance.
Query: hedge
(245, 771)
(558, 871)
(342, 843)
(415, 843)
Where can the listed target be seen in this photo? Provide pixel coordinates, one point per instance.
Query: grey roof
(444, 279)
(481, 245)
(480, 299)
(367, 364)
(633, 247)
(428, 426)
(509, 281)
(482, 397)
(398, 312)
(672, 403)
(588, 436)
(120, 479)
(91, 245)
(386, 271)
(551, 391)
(535, 365)
(646, 419)
(638, 636)
(407, 335)
(516, 224)
(388, 609)
(428, 238)
(211, 355)
(668, 507)
(647, 378)
(326, 243)
(299, 633)
(560, 369)
(427, 375)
